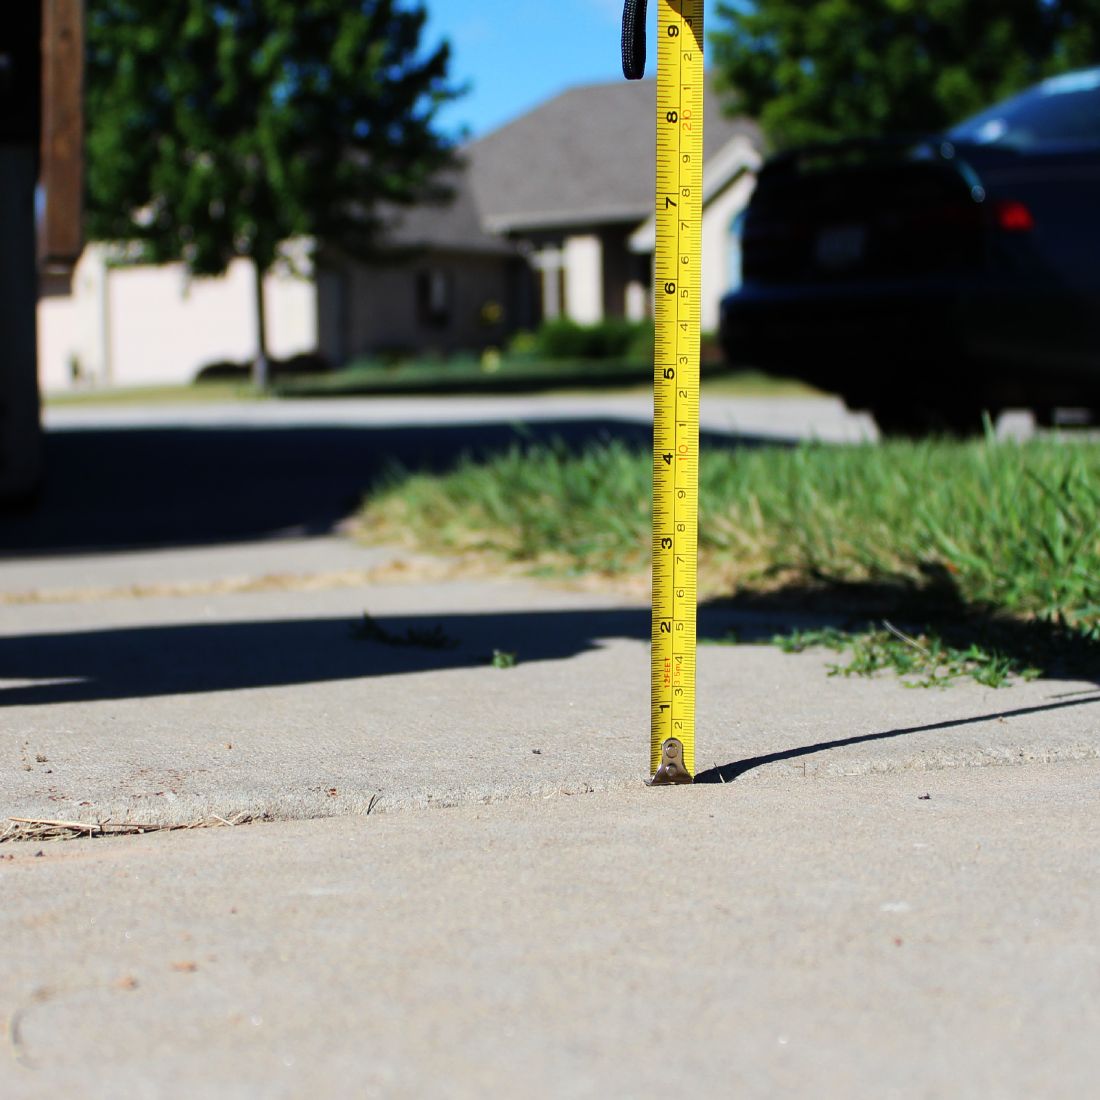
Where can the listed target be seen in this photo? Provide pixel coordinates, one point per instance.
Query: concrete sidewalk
(784, 418)
(904, 935)
(809, 924)
(269, 702)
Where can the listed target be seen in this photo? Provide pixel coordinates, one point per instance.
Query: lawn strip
(930, 531)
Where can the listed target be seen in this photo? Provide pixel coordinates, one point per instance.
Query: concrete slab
(169, 709)
(904, 935)
(83, 577)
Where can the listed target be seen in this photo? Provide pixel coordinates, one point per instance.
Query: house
(551, 215)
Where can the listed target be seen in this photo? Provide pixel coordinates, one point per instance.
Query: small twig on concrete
(906, 638)
(42, 828)
(15, 1038)
(15, 1029)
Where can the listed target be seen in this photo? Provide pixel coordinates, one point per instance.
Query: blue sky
(515, 53)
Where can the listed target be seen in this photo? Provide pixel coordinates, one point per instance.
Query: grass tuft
(503, 658)
(1003, 526)
(371, 630)
(925, 660)
(988, 551)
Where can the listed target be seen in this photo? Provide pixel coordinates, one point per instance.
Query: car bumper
(767, 326)
(843, 337)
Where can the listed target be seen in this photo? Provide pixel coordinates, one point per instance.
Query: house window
(433, 298)
(736, 229)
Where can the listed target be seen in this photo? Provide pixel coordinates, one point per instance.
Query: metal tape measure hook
(673, 770)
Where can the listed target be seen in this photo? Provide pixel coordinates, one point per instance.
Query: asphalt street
(128, 477)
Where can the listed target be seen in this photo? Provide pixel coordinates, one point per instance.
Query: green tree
(816, 70)
(219, 130)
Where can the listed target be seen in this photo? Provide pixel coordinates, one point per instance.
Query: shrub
(564, 339)
(225, 370)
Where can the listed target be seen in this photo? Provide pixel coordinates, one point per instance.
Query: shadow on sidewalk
(143, 661)
(727, 773)
(192, 658)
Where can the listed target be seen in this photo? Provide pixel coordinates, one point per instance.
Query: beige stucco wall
(583, 259)
(155, 325)
(71, 328)
(546, 259)
(584, 273)
(717, 217)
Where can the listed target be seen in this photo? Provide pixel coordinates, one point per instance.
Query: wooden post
(61, 168)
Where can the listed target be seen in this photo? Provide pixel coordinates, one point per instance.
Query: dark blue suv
(932, 279)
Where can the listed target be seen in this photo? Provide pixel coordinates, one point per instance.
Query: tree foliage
(224, 128)
(816, 70)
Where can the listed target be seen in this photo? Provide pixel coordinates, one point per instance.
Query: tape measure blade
(677, 286)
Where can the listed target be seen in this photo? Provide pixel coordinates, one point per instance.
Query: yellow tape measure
(677, 286)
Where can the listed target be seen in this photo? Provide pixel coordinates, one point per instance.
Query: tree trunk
(261, 367)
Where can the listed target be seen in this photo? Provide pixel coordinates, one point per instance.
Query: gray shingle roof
(585, 157)
(457, 226)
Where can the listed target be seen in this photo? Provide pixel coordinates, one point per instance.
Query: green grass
(926, 660)
(463, 375)
(508, 374)
(457, 376)
(929, 531)
(503, 658)
(929, 659)
(156, 395)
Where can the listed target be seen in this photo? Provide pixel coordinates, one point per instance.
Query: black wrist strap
(634, 39)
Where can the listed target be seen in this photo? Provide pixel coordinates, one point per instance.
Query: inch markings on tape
(677, 285)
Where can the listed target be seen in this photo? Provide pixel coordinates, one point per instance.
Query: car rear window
(1061, 112)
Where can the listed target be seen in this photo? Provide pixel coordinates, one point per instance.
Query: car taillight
(1014, 217)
